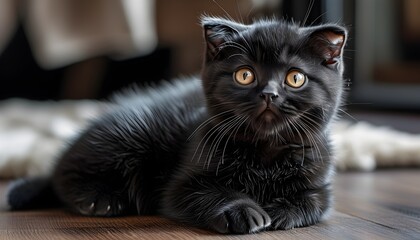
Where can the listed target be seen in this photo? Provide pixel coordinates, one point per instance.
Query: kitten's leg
(309, 195)
(92, 194)
(307, 208)
(214, 208)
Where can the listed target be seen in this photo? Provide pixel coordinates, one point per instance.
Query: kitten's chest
(252, 173)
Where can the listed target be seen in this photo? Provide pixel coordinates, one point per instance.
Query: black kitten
(243, 150)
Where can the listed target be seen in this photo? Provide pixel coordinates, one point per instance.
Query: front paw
(286, 215)
(241, 217)
(283, 215)
(101, 206)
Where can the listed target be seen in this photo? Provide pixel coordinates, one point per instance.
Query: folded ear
(328, 41)
(217, 31)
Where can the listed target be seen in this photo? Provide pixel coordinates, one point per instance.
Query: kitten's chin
(268, 116)
(268, 123)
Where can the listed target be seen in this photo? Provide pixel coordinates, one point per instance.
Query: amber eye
(244, 76)
(295, 79)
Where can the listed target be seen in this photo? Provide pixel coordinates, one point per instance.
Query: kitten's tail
(31, 193)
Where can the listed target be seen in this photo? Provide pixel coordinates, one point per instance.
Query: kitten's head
(273, 77)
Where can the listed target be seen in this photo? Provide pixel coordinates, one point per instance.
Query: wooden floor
(380, 205)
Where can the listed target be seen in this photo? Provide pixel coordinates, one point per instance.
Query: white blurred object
(32, 133)
(363, 146)
(62, 32)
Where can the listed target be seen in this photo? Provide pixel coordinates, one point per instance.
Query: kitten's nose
(269, 96)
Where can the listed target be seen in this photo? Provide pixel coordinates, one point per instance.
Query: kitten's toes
(257, 220)
(284, 224)
(242, 217)
(101, 207)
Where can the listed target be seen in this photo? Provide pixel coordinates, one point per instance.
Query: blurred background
(76, 49)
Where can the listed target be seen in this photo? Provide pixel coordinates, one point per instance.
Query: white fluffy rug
(33, 133)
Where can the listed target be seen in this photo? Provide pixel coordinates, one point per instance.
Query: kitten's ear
(328, 41)
(217, 31)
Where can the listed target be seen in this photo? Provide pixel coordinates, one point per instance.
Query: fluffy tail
(31, 193)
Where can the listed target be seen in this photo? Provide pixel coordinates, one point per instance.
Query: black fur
(213, 153)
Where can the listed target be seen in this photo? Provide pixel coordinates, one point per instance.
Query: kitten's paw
(286, 215)
(101, 206)
(241, 217)
(284, 223)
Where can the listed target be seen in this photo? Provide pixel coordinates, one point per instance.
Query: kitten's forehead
(272, 41)
(275, 33)
(277, 26)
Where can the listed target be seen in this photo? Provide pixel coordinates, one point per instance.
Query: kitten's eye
(295, 79)
(244, 76)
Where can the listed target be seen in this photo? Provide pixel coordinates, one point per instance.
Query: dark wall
(22, 77)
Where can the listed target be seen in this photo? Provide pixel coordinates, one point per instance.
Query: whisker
(218, 138)
(301, 139)
(314, 143)
(239, 11)
(308, 12)
(220, 6)
(252, 8)
(238, 124)
(206, 122)
(347, 114)
(317, 18)
(310, 124)
(211, 132)
(234, 45)
(237, 54)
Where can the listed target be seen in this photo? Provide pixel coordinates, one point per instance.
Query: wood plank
(387, 198)
(57, 224)
(377, 205)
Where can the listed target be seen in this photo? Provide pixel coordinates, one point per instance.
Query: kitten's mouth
(268, 114)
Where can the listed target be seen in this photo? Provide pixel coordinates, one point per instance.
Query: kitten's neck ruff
(285, 137)
(265, 152)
